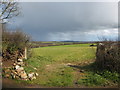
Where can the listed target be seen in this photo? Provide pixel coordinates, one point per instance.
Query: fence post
(25, 52)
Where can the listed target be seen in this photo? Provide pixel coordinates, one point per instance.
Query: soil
(9, 83)
(7, 63)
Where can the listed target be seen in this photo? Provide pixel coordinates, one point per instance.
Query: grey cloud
(41, 19)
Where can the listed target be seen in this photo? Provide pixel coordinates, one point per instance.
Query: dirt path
(78, 72)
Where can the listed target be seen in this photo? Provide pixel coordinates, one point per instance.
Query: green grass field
(65, 66)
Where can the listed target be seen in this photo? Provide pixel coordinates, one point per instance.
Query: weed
(93, 79)
(113, 76)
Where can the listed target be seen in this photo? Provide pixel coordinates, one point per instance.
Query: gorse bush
(13, 44)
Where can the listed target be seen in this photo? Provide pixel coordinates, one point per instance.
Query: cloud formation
(67, 21)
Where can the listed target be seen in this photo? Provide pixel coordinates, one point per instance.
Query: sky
(67, 21)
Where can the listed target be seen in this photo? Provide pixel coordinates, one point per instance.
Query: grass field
(66, 66)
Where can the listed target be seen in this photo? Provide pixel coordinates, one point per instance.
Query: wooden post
(25, 52)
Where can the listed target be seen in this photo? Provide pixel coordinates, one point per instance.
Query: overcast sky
(82, 21)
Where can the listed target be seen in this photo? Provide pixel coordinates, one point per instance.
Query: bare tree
(8, 9)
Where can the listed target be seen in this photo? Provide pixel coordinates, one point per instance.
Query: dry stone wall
(18, 71)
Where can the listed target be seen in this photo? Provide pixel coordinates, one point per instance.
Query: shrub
(13, 44)
(107, 56)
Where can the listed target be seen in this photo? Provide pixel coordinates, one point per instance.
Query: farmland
(67, 66)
